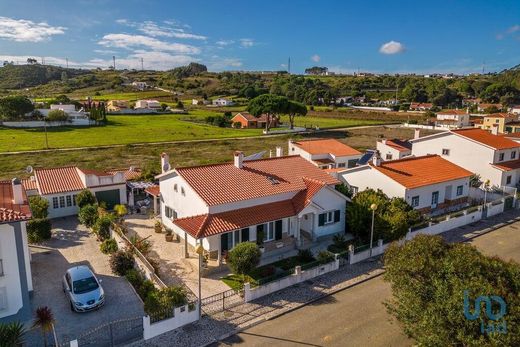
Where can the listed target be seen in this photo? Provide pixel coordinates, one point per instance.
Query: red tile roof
(9, 211)
(225, 183)
(452, 112)
(58, 180)
(153, 190)
(486, 138)
(400, 145)
(29, 184)
(508, 165)
(326, 146)
(500, 115)
(129, 174)
(416, 172)
(421, 105)
(249, 117)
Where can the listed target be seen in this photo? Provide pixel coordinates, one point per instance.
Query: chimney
(239, 159)
(17, 191)
(165, 162)
(376, 159)
(494, 130)
(417, 133)
(383, 141)
(279, 151)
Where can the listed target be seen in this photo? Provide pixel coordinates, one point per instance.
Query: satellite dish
(29, 169)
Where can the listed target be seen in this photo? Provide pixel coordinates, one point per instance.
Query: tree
(475, 181)
(44, 319)
(14, 107)
(85, 197)
(316, 70)
(88, 215)
(12, 334)
(121, 262)
(57, 116)
(39, 229)
(244, 258)
(102, 227)
(293, 109)
(268, 104)
(430, 280)
(39, 206)
(31, 61)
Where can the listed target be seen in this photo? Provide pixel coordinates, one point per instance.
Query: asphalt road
(356, 316)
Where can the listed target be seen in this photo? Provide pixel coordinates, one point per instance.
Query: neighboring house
(420, 106)
(514, 109)
(394, 149)
(117, 105)
(148, 104)
(326, 154)
(15, 268)
(140, 85)
(452, 119)
(281, 203)
(483, 107)
(70, 110)
(427, 183)
(223, 102)
(499, 123)
(61, 185)
(494, 158)
(248, 121)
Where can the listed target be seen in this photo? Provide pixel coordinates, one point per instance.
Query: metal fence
(112, 334)
(222, 301)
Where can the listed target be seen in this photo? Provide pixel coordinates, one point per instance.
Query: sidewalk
(212, 328)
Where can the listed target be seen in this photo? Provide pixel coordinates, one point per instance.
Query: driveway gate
(222, 301)
(113, 334)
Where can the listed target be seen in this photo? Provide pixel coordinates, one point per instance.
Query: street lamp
(373, 207)
(200, 250)
(486, 187)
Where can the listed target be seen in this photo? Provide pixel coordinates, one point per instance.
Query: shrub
(38, 230)
(102, 227)
(244, 257)
(57, 116)
(325, 257)
(305, 256)
(39, 206)
(12, 334)
(158, 227)
(134, 277)
(88, 215)
(108, 246)
(165, 299)
(121, 262)
(144, 246)
(120, 210)
(84, 198)
(145, 288)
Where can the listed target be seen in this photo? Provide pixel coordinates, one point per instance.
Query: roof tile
(326, 146)
(486, 138)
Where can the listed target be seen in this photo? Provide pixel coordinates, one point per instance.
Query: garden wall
(41, 124)
(181, 316)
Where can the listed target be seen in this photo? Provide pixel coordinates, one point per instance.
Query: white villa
(427, 183)
(394, 149)
(223, 102)
(452, 119)
(281, 203)
(147, 104)
(15, 268)
(325, 154)
(494, 158)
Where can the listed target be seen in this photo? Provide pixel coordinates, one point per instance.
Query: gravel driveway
(71, 245)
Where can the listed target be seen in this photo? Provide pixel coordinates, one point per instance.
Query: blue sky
(379, 36)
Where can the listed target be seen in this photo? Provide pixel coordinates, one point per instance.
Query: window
(183, 192)
(445, 151)
(278, 228)
(74, 200)
(69, 200)
(62, 201)
(268, 231)
(354, 190)
(415, 201)
(244, 234)
(341, 165)
(170, 212)
(459, 190)
(55, 202)
(1, 267)
(328, 218)
(501, 157)
(3, 298)
(508, 179)
(352, 163)
(513, 154)
(175, 187)
(435, 198)
(388, 156)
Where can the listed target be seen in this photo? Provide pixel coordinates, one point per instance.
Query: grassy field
(181, 154)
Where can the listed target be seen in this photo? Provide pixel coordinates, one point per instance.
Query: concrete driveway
(72, 245)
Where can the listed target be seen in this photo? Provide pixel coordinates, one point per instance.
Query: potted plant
(169, 235)
(260, 240)
(158, 228)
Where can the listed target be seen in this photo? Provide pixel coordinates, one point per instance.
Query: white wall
(179, 319)
(65, 211)
(11, 279)
(384, 149)
(425, 193)
(365, 177)
(329, 201)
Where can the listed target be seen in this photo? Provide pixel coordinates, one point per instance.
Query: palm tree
(11, 334)
(44, 319)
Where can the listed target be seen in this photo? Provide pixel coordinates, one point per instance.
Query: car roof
(80, 272)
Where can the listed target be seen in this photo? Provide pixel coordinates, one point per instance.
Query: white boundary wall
(182, 316)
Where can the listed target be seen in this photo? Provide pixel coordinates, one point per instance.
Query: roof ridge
(57, 167)
(231, 163)
(408, 158)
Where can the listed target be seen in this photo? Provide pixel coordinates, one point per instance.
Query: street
(357, 316)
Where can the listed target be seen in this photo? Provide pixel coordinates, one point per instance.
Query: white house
(394, 148)
(148, 104)
(514, 109)
(428, 183)
(494, 158)
(223, 102)
(140, 85)
(61, 185)
(15, 268)
(452, 119)
(326, 154)
(281, 203)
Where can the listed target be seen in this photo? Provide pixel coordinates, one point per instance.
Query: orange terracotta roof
(29, 184)
(421, 171)
(326, 146)
(508, 165)
(304, 197)
(9, 211)
(400, 145)
(484, 106)
(486, 138)
(452, 112)
(249, 117)
(128, 173)
(225, 183)
(94, 172)
(421, 104)
(500, 115)
(58, 180)
(153, 190)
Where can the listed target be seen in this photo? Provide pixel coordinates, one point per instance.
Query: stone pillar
(186, 254)
(380, 246)
(297, 270)
(247, 292)
(336, 260)
(351, 254)
(219, 256)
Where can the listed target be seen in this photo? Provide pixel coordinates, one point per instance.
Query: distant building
(140, 85)
(223, 102)
(326, 154)
(452, 119)
(248, 121)
(514, 109)
(420, 106)
(500, 123)
(148, 104)
(484, 107)
(117, 105)
(394, 149)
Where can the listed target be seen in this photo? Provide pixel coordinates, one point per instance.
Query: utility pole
(142, 65)
(67, 60)
(114, 60)
(289, 66)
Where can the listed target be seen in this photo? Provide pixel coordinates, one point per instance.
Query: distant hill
(24, 76)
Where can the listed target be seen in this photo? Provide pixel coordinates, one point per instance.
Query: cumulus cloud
(136, 41)
(246, 43)
(166, 29)
(392, 47)
(22, 30)
(224, 42)
(512, 30)
(315, 58)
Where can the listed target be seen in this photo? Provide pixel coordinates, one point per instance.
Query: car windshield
(85, 285)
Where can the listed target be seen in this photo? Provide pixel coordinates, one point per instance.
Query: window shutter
(278, 230)
(321, 220)
(336, 216)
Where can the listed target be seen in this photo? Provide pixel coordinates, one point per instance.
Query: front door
(224, 242)
(435, 199)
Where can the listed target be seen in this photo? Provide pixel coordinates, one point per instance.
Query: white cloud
(247, 43)
(219, 63)
(167, 29)
(21, 30)
(510, 31)
(224, 42)
(392, 47)
(315, 58)
(135, 41)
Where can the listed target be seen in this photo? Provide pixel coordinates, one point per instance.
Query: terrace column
(219, 256)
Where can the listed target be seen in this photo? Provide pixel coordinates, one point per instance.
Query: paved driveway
(72, 245)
